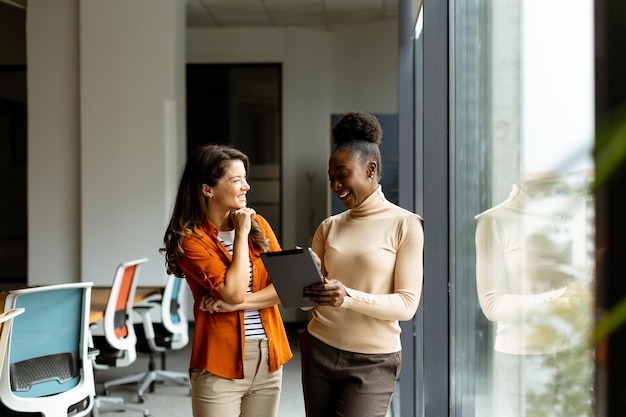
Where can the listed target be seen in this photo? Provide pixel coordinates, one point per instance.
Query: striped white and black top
(251, 318)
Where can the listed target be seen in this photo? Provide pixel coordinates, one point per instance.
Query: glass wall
(521, 211)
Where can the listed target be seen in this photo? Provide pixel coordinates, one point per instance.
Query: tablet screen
(291, 271)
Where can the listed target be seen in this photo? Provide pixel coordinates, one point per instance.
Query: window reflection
(533, 275)
(522, 211)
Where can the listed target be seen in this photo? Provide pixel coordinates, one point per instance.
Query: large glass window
(521, 215)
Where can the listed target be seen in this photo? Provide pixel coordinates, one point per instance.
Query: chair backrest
(173, 311)
(118, 318)
(45, 367)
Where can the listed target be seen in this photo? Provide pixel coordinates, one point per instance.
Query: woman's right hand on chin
(242, 219)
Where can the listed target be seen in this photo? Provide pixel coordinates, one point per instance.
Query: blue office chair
(157, 338)
(46, 368)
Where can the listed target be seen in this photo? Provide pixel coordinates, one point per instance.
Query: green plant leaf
(614, 319)
(610, 151)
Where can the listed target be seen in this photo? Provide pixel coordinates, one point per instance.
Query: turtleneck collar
(374, 203)
(515, 201)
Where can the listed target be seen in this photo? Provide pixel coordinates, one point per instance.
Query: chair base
(146, 379)
(115, 404)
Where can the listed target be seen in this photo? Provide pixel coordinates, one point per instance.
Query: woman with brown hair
(214, 241)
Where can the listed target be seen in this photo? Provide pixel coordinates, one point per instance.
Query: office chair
(46, 369)
(117, 347)
(155, 338)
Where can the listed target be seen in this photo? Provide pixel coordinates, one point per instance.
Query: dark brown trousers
(338, 383)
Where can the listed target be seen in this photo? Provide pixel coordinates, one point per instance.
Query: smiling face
(230, 190)
(351, 179)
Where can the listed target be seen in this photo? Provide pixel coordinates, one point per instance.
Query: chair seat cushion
(162, 337)
(108, 355)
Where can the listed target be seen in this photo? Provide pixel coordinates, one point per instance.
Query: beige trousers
(257, 395)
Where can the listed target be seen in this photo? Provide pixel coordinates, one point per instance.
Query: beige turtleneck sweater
(376, 251)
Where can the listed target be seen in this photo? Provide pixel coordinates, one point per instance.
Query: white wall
(365, 68)
(53, 142)
(106, 135)
(132, 126)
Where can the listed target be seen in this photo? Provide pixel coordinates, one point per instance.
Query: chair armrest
(148, 327)
(9, 314)
(92, 353)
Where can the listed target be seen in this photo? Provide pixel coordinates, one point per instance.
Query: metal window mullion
(436, 209)
(408, 388)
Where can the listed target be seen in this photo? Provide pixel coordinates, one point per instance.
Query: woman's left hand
(214, 305)
(330, 293)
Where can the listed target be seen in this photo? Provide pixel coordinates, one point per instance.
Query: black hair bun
(357, 126)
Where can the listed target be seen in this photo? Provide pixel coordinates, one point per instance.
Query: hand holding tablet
(291, 271)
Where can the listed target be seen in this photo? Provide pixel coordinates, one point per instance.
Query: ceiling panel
(325, 15)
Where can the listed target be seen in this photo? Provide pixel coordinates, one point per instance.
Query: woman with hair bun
(371, 258)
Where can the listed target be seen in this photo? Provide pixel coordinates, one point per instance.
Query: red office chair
(117, 347)
(157, 338)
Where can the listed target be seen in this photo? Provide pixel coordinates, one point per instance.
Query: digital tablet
(291, 271)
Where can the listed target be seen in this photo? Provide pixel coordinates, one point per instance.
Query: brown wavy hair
(205, 165)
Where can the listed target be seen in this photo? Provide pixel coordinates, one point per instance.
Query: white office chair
(117, 347)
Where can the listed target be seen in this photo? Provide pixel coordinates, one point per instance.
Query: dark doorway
(13, 208)
(240, 105)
